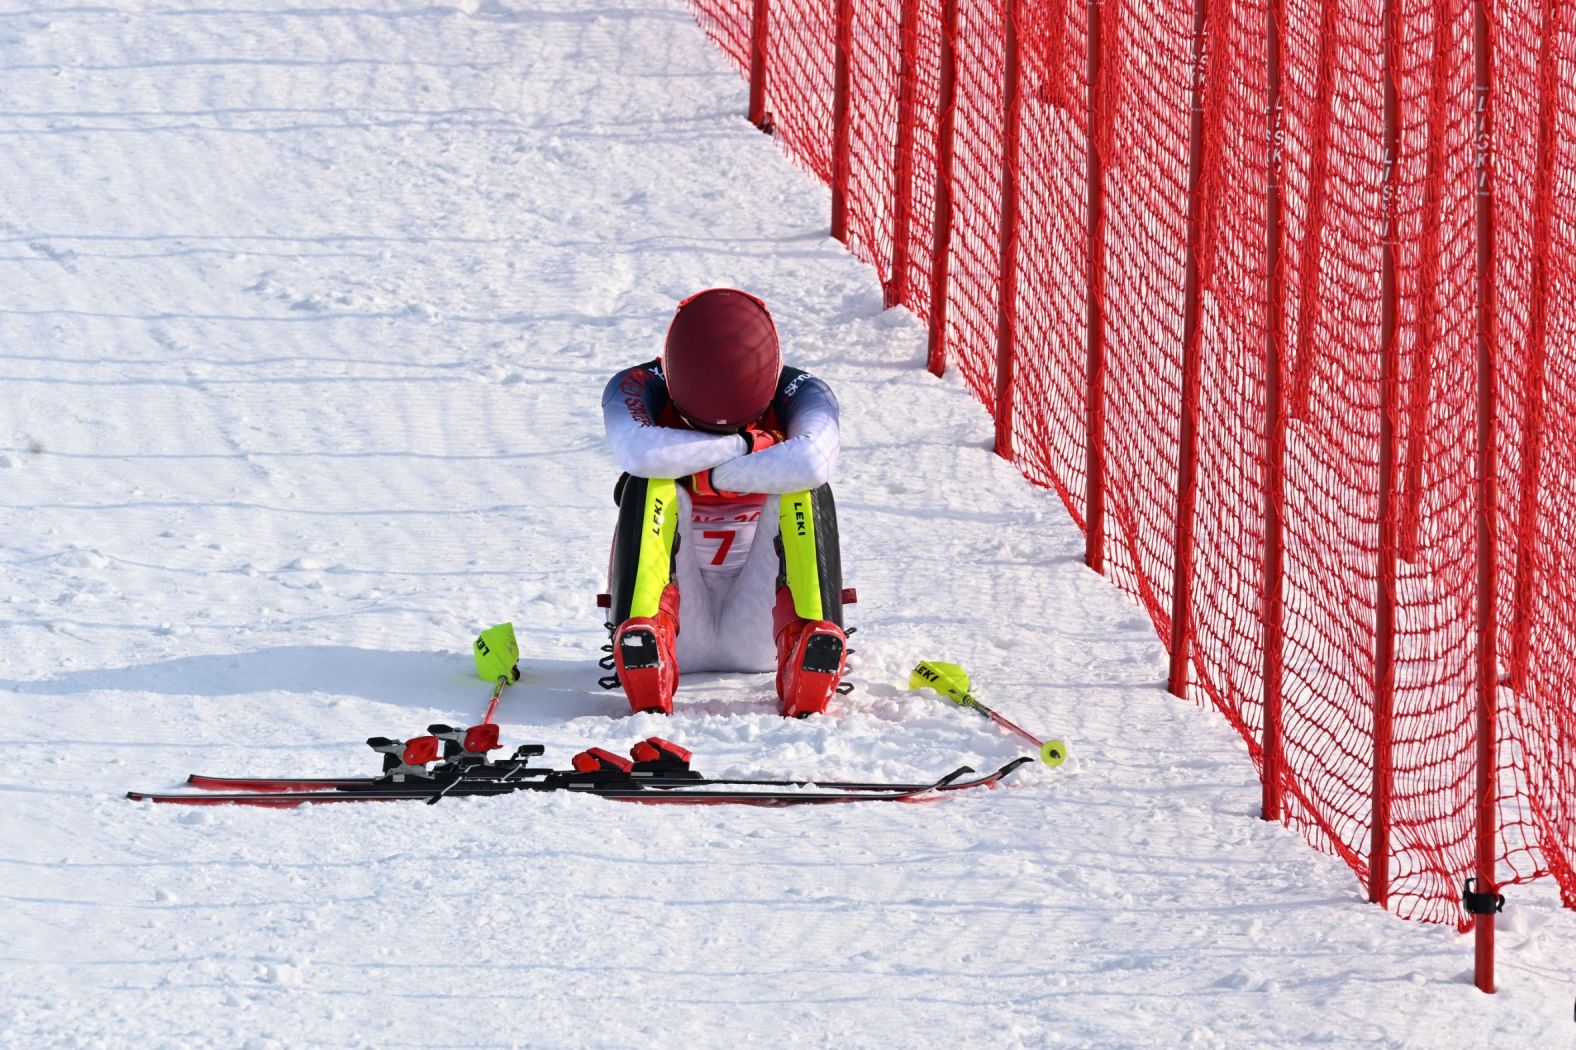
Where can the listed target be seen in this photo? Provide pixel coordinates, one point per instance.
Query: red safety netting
(1146, 49)
(974, 275)
(914, 162)
(1535, 224)
(875, 71)
(1227, 564)
(727, 22)
(1156, 427)
(1052, 249)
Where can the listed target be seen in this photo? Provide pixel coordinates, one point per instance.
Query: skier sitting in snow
(724, 501)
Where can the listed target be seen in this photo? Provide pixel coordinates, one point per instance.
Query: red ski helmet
(722, 360)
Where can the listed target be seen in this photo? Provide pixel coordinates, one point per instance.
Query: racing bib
(723, 531)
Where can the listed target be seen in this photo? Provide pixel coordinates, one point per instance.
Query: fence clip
(1481, 903)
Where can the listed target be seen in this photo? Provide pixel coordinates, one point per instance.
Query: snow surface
(306, 313)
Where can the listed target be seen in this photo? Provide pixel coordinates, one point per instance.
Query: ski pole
(952, 682)
(498, 661)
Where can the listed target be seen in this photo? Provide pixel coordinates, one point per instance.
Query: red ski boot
(811, 655)
(644, 655)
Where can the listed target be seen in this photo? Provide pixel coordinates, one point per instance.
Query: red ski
(279, 794)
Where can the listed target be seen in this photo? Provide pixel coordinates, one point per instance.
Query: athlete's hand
(700, 485)
(759, 438)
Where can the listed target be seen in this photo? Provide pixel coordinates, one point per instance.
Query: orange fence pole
(1192, 319)
(1274, 430)
(895, 293)
(1385, 599)
(941, 250)
(1007, 315)
(842, 56)
(1487, 495)
(1094, 296)
(758, 28)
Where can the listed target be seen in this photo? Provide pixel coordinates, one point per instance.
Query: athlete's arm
(808, 411)
(630, 405)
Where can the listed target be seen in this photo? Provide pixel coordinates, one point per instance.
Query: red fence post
(1007, 315)
(1536, 353)
(1274, 427)
(1487, 493)
(1192, 317)
(758, 29)
(1094, 296)
(1385, 597)
(842, 56)
(896, 290)
(941, 250)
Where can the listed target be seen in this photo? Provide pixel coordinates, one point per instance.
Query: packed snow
(306, 316)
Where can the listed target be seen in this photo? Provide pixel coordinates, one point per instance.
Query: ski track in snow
(307, 315)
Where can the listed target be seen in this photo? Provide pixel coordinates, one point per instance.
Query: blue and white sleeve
(809, 413)
(630, 404)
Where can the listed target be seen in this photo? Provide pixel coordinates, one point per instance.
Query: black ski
(297, 785)
(690, 792)
(560, 782)
(657, 771)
